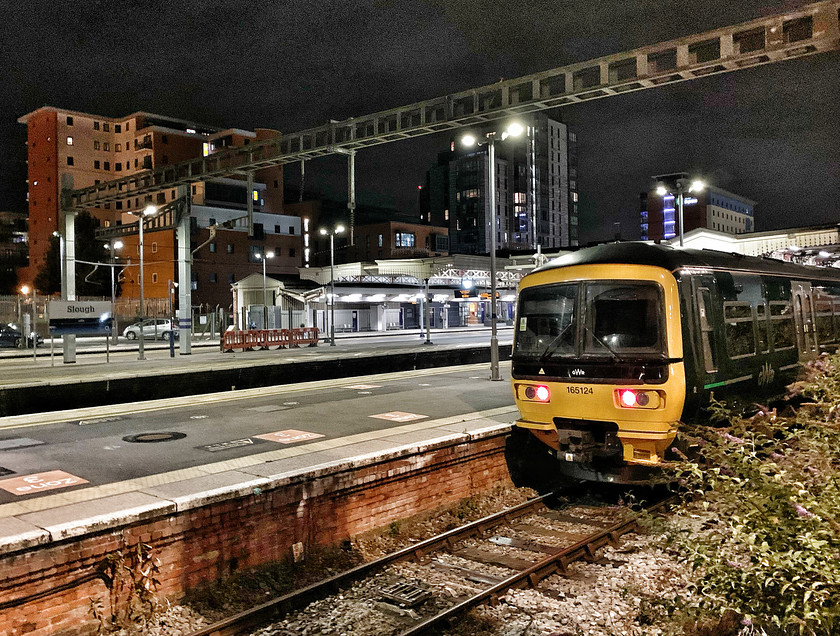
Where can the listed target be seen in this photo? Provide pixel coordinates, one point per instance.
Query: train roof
(674, 258)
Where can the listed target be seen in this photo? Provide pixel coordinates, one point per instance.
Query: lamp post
(114, 245)
(263, 258)
(338, 229)
(513, 130)
(149, 210)
(683, 183)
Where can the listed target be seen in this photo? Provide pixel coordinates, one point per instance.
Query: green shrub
(769, 485)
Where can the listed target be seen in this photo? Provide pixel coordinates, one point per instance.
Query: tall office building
(536, 191)
(711, 208)
(74, 149)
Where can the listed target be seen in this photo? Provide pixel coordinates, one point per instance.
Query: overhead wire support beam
(807, 30)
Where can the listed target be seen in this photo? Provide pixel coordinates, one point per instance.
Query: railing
(266, 338)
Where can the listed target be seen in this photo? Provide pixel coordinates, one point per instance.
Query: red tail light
(537, 393)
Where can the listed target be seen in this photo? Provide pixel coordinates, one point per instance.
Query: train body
(614, 345)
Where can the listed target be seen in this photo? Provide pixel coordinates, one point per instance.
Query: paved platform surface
(73, 508)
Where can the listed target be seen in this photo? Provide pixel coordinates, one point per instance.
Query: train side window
(704, 302)
(837, 319)
(762, 328)
(781, 324)
(823, 320)
(740, 337)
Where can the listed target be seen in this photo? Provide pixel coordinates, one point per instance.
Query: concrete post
(185, 276)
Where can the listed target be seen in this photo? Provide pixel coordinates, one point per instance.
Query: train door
(803, 316)
(703, 288)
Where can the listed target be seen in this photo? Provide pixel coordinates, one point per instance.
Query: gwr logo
(578, 372)
(766, 375)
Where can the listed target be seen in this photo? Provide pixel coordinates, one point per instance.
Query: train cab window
(623, 317)
(740, 339)
(781, 325)
(762, 328)
(546, 320)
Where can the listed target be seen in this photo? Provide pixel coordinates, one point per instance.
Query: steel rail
(531, 577)
(282, 605)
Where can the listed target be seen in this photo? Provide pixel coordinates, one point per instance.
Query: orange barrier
(265, 338)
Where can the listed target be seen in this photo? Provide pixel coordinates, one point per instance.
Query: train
(615, 345)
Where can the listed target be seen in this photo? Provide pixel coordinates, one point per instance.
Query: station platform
(209, 519)
(310, 484)
(44, 383)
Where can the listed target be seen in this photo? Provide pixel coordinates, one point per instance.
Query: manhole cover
(151, 438)
(405, 594)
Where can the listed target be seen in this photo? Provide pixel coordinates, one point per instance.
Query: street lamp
(33, 331)
(513, 130)
(149, 210)
(339, 229)
(683, 183)
(263, 258)
(114, 245)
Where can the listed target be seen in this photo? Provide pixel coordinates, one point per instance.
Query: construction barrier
(266, 338)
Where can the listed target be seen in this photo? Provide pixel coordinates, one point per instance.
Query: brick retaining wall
(320, 507)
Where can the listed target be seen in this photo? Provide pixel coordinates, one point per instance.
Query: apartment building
(536, 190)
(77, 149)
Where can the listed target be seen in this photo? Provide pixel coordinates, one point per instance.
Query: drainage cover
(405, 594)
(151, 438)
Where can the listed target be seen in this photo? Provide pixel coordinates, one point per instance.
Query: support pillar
(68, 262)
(351, 192)
(185, 275)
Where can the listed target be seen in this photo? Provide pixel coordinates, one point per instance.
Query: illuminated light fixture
(628, 398)
(468, 140)
(538, 393)
(697, 186)
(661, 190)
(256, 195)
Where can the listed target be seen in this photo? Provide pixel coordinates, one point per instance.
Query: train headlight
(534, 392)
(638, 399)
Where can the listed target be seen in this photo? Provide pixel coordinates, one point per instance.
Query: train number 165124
(579, 390)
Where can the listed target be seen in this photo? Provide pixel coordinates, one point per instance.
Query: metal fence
(207, 321)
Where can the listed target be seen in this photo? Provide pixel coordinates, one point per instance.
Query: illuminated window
(256, 195)
(69, 141)
(117, 147)
(404, 239)
(96, 145)
(106, 147)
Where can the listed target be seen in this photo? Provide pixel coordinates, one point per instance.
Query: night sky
(771, 133)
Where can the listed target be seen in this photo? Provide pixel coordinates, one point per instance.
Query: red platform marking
(399, 416)
(289, 436)
(39, 482)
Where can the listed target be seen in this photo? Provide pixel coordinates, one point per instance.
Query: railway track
(422, 588)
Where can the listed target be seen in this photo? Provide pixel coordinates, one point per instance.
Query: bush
(770, 491)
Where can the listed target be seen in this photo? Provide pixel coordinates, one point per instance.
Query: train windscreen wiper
(555, 342)
(613, 353)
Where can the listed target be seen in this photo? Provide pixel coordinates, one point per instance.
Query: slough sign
(80, 317)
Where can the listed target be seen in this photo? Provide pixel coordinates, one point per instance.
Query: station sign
(80, 317)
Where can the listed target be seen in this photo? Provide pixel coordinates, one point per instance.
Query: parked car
(10, 336)
(152, 328)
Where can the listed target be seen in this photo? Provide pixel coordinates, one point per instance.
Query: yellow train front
(597, 371)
